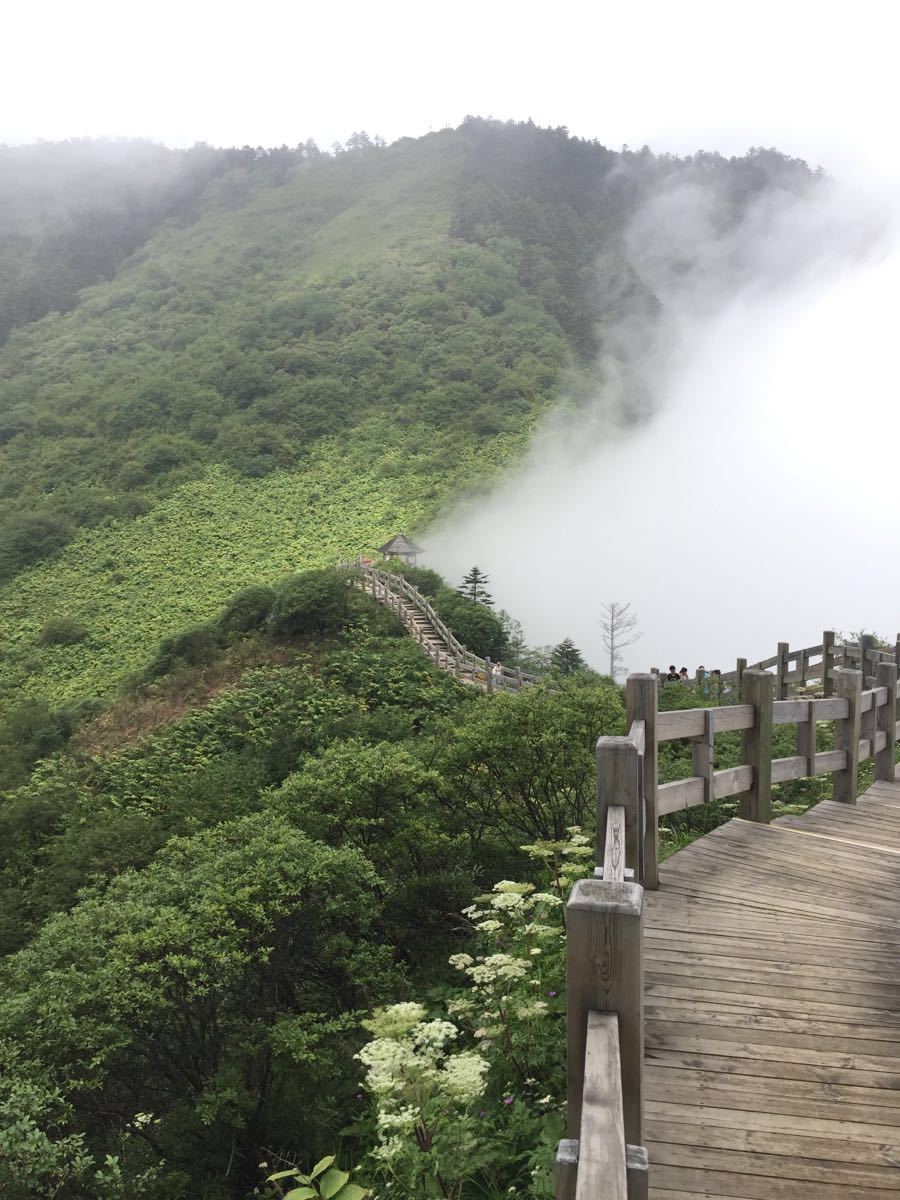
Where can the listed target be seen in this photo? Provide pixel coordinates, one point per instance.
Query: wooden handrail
(603, 1155)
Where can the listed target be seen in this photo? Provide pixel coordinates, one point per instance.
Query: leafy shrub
(192, 647)
(62, 631)
(27, 537)
(314, 602)
(427, 581)
(475, 625)
(248, 610)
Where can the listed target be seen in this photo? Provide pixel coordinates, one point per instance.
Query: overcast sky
(819, 79)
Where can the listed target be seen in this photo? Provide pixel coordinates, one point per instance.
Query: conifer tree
(566, 658)
(474, 587)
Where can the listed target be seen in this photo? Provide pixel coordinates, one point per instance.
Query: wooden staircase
(437, 641)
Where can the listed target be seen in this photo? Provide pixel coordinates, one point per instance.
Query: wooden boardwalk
(772, 994)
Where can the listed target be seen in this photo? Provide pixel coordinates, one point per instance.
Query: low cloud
(756, 499)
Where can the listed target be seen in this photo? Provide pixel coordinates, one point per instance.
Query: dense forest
(270, 882)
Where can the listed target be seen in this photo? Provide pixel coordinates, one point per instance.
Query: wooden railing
(602, 1155)
(813, 666)
(401, 597)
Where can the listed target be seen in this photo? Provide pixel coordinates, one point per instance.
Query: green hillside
(243, 819)
(313, 352)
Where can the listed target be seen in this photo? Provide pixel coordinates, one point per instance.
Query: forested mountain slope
(311, 353)
(233, 822)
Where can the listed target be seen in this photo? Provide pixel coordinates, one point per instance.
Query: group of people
(673, 676)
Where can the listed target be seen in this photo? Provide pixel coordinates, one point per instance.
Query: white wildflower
(508, 901)
(395, 1020)
(460, 961)
(509, 886)
(545, 898)
(498, 966)
(401, 1121)
(463, 1075)
(432, 1035)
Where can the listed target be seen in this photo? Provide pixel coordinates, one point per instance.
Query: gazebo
(400, 546)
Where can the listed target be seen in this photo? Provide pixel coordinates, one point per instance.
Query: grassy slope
(132, 581)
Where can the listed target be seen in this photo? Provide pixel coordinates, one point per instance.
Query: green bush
(475, 625)
(248, 610)
(62, 631)
(193, 647)
(314, 602)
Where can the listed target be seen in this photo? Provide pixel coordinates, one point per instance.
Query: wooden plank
(732, 781)
(682, 1131)
(830, 760)
(790, 712)
(614, 848)
(601, 1149)
(732, 716)
(795, 767)
(684, 793)
(834, 708)
(679, 723)
(604, 974)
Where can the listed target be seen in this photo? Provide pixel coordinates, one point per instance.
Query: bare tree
(619, 625)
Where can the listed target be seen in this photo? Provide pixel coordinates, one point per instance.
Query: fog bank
(760, 500)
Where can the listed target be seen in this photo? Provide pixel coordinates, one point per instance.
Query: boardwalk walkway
(772, 993)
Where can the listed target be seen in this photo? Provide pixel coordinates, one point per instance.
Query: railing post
(886, 677)
(866, 645)
(846, 736)
(827, 662)
(702, 754)
(756, 804)
(519, 681)
(897, 651)
(604, 973)
(781, 668)
(641, 703)
(489, 682)
(739, 677)
(617, 784)
(637, 1170)
(566, 1173)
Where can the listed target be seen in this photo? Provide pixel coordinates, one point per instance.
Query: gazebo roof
(400, 544)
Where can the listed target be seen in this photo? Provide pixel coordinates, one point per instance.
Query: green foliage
(324, 1182)
(474, 587)
(62, 631)
(191, 648)
(314, 602)
(521, 765)
(249, 926)
(248, 610)
(381, 799)
(474, 624)
(566, 658)
(472, 1095)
